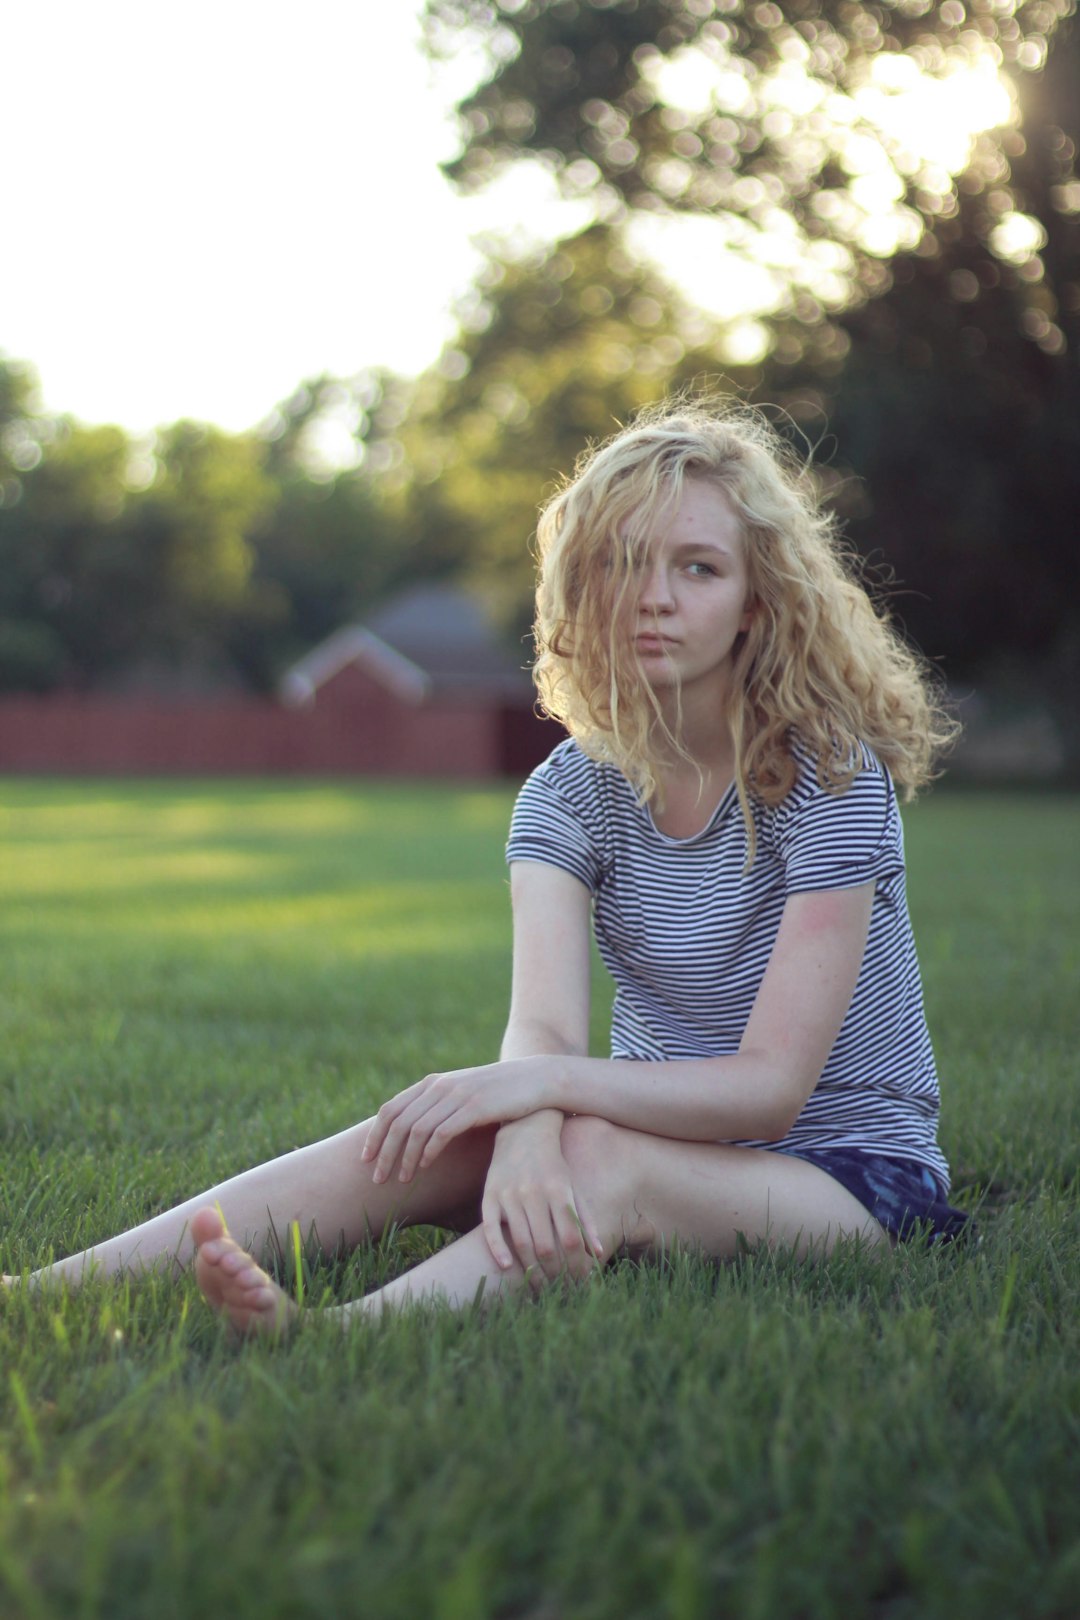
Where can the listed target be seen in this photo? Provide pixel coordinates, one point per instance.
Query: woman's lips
(654, 644)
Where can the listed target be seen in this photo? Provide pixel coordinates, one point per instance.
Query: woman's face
(694, 600)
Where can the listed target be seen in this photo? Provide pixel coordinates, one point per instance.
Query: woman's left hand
(419, 1122)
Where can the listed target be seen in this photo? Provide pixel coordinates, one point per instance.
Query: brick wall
(91, 735)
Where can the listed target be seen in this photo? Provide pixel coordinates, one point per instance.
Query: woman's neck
(706, 744)
(691, 785)
(688, 794)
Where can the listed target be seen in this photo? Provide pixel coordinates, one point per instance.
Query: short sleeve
(557, 820)
(839, 840)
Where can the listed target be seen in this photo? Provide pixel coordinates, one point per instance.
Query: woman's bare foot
(234, 1285)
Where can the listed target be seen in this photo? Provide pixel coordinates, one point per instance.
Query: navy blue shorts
(904, 1197)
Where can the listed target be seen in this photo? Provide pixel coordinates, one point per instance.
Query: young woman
(725, 813)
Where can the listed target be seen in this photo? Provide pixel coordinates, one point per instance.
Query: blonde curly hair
(820, 664)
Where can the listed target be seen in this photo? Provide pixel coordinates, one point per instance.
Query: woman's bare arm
(757, 1092)
(549, 998)
(529, 1198)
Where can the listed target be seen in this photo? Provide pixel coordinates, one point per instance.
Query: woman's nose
(655, 590)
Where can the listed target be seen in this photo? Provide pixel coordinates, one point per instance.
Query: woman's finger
(545, 1244)
(492, 1214)
(446, 1118)
(374, 1140)
(397, 1134)
(521, 1238)
(467, 1097)
(456, 1120)
(581, 1247)
(411, 1131)
(586, 1223)
(380, 1125)
(433, 1130)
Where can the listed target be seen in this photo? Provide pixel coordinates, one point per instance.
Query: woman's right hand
(529, 1194)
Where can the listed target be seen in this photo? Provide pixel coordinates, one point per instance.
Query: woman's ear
(747, 618)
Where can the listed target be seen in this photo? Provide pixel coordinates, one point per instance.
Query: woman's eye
(623, 562)
(702, 570)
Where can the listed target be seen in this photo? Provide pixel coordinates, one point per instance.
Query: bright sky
(208, 202)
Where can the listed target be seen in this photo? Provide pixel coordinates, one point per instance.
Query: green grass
(195, 976)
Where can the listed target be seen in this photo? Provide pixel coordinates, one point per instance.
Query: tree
(331, 545)
(794, 127)
(957, 408)
(220, 556)
(64, 586)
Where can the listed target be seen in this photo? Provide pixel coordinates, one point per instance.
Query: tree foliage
(330, 545)
(958, 408)
(64, 569)
(211, 556)
(793, 126)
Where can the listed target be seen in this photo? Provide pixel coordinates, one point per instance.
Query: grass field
(196, 976)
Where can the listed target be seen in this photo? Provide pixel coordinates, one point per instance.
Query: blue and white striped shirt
(687, 933)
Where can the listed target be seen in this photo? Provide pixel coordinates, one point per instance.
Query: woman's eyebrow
(702, 545)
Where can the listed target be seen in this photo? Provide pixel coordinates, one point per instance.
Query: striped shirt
(686, 933)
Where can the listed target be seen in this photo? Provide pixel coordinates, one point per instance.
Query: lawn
(198, 975)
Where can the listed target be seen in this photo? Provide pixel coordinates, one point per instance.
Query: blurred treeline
(935, 371)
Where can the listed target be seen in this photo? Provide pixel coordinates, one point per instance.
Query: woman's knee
(607, 1172)
(589, 1143)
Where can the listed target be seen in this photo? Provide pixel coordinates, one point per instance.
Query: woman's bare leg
(645, 1192)
(650, 1192)
(237, 1287)
(326, 1188)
